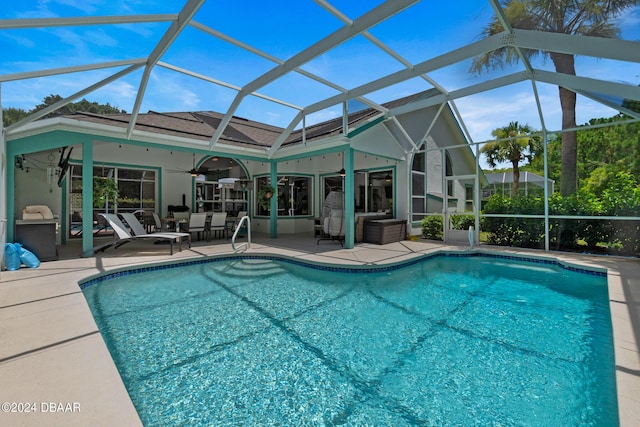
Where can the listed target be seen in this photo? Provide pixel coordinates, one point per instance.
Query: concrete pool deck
(56, 370)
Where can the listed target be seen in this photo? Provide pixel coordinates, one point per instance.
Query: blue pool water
(446, 341)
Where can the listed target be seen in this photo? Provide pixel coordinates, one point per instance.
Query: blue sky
(281, 29)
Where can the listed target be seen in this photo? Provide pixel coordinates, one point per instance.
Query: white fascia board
(301, 150)
(100, 130)
(33, 128)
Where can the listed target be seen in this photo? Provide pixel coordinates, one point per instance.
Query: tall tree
(578, 17)
(514, 144)
(12, 115)
(82, 105)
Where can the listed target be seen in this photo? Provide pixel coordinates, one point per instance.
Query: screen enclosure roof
(291, 65)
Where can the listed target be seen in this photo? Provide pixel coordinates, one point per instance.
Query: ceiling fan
(342, 172)
(194, 172)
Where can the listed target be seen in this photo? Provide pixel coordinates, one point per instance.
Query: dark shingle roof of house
(239, 132)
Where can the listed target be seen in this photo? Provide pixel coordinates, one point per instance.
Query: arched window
(217, 186)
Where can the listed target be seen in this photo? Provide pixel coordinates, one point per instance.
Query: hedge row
(620, 237)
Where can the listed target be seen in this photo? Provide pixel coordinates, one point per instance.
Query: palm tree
(578, 17)
(514, 144)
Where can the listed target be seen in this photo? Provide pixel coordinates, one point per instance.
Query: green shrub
(521, 232)
(617, 236)
(432, 227)
(462, 221)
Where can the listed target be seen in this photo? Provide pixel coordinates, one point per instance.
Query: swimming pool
(445, 341)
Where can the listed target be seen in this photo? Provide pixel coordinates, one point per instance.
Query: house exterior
(398, 158)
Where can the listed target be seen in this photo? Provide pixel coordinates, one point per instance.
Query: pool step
(253, 268)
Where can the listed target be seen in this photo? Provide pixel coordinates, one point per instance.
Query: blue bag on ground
(27, 257)
(11, 257)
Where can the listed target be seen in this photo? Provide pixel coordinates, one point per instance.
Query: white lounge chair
(122, 235)
(138, 230)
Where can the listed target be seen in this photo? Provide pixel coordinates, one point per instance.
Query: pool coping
(67, 361)
(355, 269)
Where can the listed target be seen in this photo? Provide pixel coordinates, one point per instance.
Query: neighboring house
(395, 153)
(502, 183)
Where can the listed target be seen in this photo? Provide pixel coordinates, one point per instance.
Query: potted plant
(104, 189)
(264, 197)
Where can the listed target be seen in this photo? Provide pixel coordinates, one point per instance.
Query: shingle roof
(239, 132)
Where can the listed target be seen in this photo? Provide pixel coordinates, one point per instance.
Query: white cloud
(21, 41)
(120, 94)
(485, 112)
(100, 38)
(167, 92)
(86, 6)
(629, 21)
(322, 116)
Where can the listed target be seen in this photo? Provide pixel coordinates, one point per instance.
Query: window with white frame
(293, 193)
(137, 190)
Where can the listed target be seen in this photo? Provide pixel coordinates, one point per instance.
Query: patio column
(87, 198)
(545, 141)
(476, 199)
(273, 211)
(349, 200)
(9, 189)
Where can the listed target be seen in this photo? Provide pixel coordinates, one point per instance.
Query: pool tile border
(93, 280)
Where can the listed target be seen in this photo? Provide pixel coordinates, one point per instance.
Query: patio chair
(122, 236)
(234, 226)
(158, 225)
(218, 223)
(198, 224)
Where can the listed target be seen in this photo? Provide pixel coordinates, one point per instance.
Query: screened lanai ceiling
(291, 64)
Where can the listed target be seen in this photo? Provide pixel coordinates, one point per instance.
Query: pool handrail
(243, 246)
